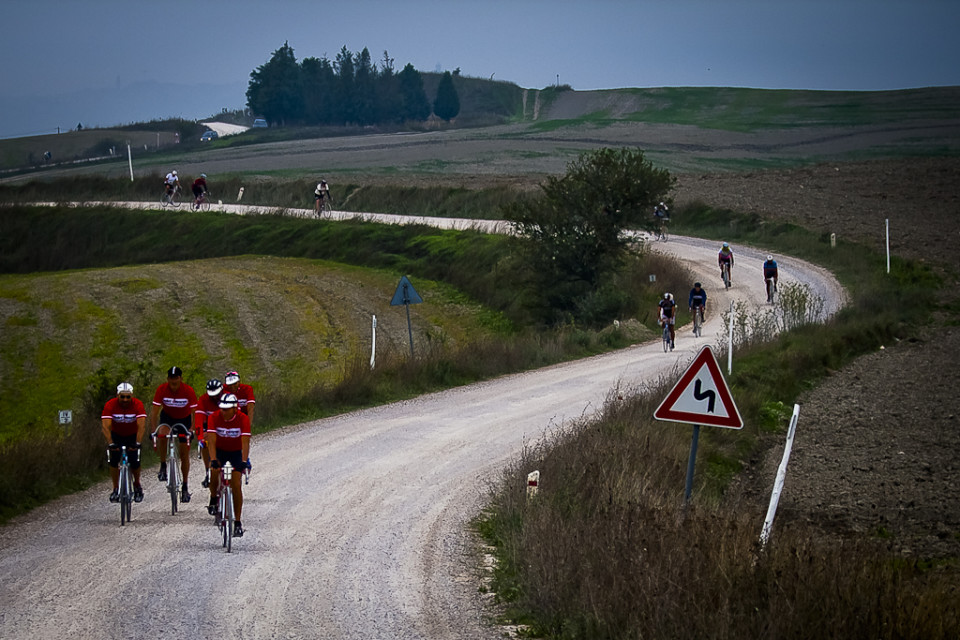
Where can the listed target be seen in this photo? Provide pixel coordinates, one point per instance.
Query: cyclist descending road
(771, 275)
(668, 315)
(725, 257)
(697, 302)
(123, 421)
(207, 405)
(174, 403)
(228, 438)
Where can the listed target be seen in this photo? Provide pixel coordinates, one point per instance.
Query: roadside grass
(606, 549)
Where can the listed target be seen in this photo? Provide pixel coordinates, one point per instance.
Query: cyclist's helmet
(228, 401)
(203, 175)
(174, 172)
(214, 387)
(696, 285)
(231, 377)
(726, 245)
(124, 387)
(769, 258)
(668, 296)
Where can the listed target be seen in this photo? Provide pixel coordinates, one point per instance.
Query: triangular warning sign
(701, 396)
(405, 293)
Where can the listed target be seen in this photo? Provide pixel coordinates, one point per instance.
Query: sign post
(406, 295)
(701, 397)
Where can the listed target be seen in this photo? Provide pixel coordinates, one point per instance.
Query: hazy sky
(63, 48)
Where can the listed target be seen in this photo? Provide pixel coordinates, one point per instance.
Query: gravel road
(356, 525)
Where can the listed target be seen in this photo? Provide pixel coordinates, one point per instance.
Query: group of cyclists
(199, 187)
(697, 300)
(220, 420)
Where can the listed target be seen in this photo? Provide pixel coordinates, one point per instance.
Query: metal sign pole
(409, 327)
(693, 457)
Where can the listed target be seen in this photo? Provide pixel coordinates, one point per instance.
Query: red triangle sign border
(667, 410)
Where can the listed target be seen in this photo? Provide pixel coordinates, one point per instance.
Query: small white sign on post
(66, 417)
(533, 483)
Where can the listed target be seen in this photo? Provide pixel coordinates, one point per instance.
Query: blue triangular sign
(405, 294)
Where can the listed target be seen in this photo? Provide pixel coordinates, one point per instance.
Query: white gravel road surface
(355, 524)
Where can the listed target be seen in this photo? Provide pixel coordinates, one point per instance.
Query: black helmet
(696, 285)
(214, 387)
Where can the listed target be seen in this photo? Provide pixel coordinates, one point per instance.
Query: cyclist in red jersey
(244, 393)
(228, 438)
(207, 406)
(174, 404)
(123, 421)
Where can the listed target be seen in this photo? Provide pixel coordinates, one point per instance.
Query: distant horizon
(813, 45)
(170, 89)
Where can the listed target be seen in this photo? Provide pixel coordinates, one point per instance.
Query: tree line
(351, 89)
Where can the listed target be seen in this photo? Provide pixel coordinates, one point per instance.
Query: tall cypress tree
(275, 90)
(447, 103)
(413, 98)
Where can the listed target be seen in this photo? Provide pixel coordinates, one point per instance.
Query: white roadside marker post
(533, 484)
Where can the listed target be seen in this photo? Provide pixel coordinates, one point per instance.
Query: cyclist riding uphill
(668, 307)
(207, 405)
(321, 193)
(124, 421)
(171, 181)
(174, 404)
(199, 188)
(228, 438)
(244, 393)
(725, 256)
(770, 270)
(698, 300)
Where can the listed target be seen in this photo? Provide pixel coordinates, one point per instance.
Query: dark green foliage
(573, 234)
(447, 103)
(275, 90)
(413, 99)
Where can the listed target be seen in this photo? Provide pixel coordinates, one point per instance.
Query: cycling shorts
(133, 456)
(197, 191)
(182, 425)
(235, 458)
(723, 258)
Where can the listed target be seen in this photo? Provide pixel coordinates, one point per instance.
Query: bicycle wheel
(726, 275)
(666, 337)
(770, 291)
(697, 323)
(124, 490)
(173, 473)
(175, 198)
(228, 518)
(164, 199)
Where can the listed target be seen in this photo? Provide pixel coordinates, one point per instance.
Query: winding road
(356, 524)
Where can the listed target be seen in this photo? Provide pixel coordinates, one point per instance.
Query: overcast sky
(51, 49)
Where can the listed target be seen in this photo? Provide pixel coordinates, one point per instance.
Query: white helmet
(769, 258)
(174, 172)
(668, 296)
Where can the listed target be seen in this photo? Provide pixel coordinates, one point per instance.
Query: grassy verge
(605, 550)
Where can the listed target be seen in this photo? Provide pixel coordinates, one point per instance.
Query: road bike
(697, 321)
(202, 203)
(125, 486)
(173, 465)
(224, 515)
(660, 234)
(323, 208)
(726, 274)
(171, 198)
(667, 342)
(771, 290)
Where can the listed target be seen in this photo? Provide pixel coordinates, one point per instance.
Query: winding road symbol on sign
(701, 396)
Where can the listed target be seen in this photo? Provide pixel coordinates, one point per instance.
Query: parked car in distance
(259, 123)
(209, 135)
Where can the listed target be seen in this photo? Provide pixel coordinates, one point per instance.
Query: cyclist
(667, 308)
(228, 438)
(199, 188)
(171, 182)
(725, 256)
(661, 214)
(770, 271)
(698, 301)
(244, 393)
(123, 421)
(173, 405)
(321, 193)
(207, 405)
